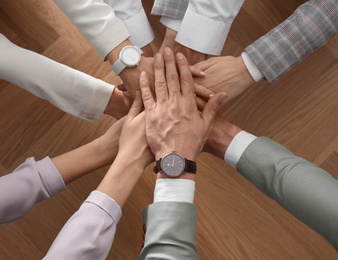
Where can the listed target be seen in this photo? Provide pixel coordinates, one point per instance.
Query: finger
(200, 103)
(197, 72)
(203, 92)
(161, 88)
(213, 106)
(128, 99)
(147, 96)
(171, 73)
(136, 107)
(121, 87)
(187, 82)
(203, 65)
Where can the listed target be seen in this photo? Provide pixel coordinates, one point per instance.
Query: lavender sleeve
(31, 182)
(90, 232)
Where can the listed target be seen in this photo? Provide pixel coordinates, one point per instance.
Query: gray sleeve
(306, 30)
(170, 231)
(30, 183)
(303, 189)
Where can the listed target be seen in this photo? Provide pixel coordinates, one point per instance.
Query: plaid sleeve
(306, 30)
(170, 8)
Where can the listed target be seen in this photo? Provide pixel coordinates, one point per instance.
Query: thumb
(136, 107)
(212, 107)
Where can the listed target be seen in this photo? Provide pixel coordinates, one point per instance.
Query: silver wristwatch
(130, 56)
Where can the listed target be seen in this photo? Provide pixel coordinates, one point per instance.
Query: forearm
(70, 90)
(85, 159)
(306, 30)
(121, 178)
(306, 191)
(31, 182)
(90, 232)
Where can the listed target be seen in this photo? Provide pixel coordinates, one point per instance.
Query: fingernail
(211, 95)
(203, 73)
(180, 56)
(167, 51)
(222, 98)
(158, 57)
(137, 93)
(143, 74)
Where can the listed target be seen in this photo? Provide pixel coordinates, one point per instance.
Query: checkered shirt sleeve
(170, 8)
(306, 30)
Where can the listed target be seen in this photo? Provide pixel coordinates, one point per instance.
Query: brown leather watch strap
(190, 166)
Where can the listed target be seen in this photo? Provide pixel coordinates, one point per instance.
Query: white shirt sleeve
(70, 90)
(237, 147)
(90, 232)
(206, 24)
(98, 23)
(179, 190)
(255, 73)
(133, 16)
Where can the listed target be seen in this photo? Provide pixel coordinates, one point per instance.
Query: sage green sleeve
(170, 231)
(303, 189)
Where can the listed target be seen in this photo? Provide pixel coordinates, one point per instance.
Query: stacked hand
(173, 122)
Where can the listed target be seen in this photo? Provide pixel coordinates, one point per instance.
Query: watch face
(172, 164)
(130, 56)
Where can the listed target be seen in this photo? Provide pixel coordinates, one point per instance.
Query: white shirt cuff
(98, 102)
(255, 73)
(202, 33)
(179, 190)
(140, 29)
(171, 23)
(237, 147)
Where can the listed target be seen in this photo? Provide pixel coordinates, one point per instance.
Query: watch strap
(190, 166)
(118, 66)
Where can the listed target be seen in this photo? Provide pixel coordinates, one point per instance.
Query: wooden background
(235, 220)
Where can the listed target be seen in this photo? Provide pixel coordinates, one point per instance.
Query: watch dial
(130, 56)
(172, 165)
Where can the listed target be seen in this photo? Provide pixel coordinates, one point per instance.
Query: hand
(221, 134)
(192, 56)
(133, 156)
(173, 122)
(147, 51)
(130, 76)
(225, 74)
(133, 142)
(119, 104)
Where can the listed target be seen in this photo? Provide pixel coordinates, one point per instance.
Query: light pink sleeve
(90, 232)
(30, 183)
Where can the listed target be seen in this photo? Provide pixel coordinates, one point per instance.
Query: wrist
(245, 76)
(114, 55)
(221, 134)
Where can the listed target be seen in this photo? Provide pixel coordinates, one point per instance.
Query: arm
(202, 26)
(306, 30)
(274, 54)
(34, 181)
(173, 123)
(99, 24)
(70, 90)
(89, 233)
(303, 189)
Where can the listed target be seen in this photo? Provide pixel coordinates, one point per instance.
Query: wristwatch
(173, 165)
(130, 56)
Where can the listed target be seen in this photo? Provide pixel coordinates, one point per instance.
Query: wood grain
(235, 220)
